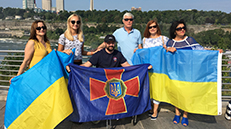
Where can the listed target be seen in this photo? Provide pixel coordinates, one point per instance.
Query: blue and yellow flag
(187, 79)
(104, 94)
(39, 98)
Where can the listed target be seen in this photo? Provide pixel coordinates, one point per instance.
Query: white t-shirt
(72, 44)
(153, 42)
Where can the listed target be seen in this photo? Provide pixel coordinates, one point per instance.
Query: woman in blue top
(178, 40)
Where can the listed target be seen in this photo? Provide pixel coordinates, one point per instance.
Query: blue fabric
(182, 65)
(127, 42)
(86, 109)
(25, 88)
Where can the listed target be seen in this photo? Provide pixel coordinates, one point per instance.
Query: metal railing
(10, 61)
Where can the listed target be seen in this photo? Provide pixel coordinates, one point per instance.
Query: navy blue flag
(112, 93)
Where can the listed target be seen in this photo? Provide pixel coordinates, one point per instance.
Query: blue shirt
(127, 42)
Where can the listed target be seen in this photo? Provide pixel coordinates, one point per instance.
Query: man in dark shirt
(108, 57)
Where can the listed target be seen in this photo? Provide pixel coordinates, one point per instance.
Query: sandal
(176, 119)
(184, 122)
(154, 118)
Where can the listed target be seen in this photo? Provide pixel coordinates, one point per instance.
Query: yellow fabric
(40, 51)
(56, 105)
(193, 97)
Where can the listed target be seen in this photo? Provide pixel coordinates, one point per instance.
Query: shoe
(177, 119)
(154, 118)
(184, 121)
(95, 122)
(150, 114)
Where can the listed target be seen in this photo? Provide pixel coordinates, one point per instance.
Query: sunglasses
(180, 28)
(150, 27)
(42, 27)
(110, 43)
(128, 19)
(77, 22)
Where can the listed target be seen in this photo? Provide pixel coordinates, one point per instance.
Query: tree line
(108, 20)
(114, 16)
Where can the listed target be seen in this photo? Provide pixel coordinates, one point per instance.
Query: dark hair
(146, 31)
(173, 28)
(33, 30)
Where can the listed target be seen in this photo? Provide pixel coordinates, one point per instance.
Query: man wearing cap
(107, 57)
(128, 39)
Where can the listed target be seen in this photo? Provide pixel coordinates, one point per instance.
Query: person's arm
(87, 64)
(101, 46)
(171, 49)
(86, 53)
(140, 46)
(125, 64)
(220, 50)
(61, 49)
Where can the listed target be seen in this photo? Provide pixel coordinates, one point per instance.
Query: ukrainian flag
(187, 79)
(39, 98)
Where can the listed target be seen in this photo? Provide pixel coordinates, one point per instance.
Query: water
(17, 44)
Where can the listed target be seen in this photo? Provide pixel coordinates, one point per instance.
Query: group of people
(128, 41)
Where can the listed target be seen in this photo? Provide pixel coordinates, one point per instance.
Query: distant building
(18, 17)
(59, 5)
(28, 4)
(91, 5)
(138, 9)
(38, 10)
(9, 18)
(46, 5)
(53, 9)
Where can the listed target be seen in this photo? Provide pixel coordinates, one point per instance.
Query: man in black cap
(107, 57)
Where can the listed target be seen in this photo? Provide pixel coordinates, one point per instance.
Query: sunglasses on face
(150, 27)
(110, 43)
(180, 28)
(42, 27)
(73, 22)
(128, 19)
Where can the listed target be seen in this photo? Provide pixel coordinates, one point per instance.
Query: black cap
(109, 38)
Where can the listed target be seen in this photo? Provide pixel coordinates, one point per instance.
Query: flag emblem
(115, 89)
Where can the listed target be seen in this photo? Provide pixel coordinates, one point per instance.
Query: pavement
(164, 121)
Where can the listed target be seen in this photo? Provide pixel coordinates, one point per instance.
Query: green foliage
(115, 16)
(55, 34)
(217, 38)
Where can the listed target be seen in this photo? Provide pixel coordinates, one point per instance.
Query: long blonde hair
(68, 34)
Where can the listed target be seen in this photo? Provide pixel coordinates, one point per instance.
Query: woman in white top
(73, 38)
(153, 38)
(152, 35)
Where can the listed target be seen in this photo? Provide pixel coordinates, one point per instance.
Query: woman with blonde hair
(73, 38)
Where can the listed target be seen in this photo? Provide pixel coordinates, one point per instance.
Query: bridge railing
(10, 61)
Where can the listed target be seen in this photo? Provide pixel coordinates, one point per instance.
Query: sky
(146, 5)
